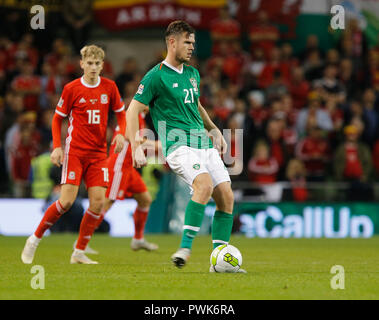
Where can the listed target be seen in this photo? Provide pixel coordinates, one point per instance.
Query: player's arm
(56, 128)
(138, 155)
(218, 139)
(119, 139)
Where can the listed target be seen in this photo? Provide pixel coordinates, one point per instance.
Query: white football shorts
(189, 162)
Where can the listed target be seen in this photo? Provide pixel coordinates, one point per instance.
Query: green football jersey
(172, 97)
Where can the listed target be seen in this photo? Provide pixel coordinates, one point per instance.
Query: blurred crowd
(306, 117)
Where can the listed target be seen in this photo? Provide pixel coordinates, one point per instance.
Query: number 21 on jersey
(188, 94)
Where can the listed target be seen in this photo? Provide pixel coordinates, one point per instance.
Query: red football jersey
(124, 158)
(87, 108)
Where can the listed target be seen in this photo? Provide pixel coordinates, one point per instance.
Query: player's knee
(204, 189)
(146, 201)
(66, 204)
(96, 204)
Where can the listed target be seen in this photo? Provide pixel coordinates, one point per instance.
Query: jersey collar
(88, 85)
(172, 67)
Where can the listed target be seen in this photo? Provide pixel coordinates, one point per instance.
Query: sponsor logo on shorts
(121, 193)
(196, 166)
(71, 175)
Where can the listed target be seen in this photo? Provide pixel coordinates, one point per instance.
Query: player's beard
(182, 59)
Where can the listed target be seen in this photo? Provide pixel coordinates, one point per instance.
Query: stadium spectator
(370, 115)
(263, 34)
(24, 49)
(26, 147)
(353, 164)
(313, 66)
(253, 70)
(311, 45)
(348, 79)
(332, 57)
(41, 183)
(274, 67)
(224, 29)
(296, 176)
(286, 52)
(233, 63)
(58, 52)
(13, 107)
(78, 17)
(257, 113)
(29, 85)
(314, 151)
(223, 105)
(375, 158)
(274, 138)
(262, 167)
(239, 113)
(277, 88)
(287, 118)
(44, 126)
(314, 111)
(329, 85)
(298, 87)
(359, 41)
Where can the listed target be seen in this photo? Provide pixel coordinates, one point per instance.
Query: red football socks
(87, 228)
(100, 220)
(140, 217)
(52, 214)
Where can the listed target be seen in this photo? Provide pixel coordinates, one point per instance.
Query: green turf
(278, 269)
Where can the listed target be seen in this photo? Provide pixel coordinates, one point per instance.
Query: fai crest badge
(194, 83)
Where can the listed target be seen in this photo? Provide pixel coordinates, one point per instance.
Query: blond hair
(92, 51)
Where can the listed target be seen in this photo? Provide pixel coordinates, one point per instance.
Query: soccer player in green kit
(171, 90)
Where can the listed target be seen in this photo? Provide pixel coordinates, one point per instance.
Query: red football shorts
(124, 183)
(94, 171)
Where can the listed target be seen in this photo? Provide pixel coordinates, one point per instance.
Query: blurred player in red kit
(126, 182)
(86, 102)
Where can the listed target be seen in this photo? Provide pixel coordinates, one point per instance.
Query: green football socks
(192, 221)
(221, 228)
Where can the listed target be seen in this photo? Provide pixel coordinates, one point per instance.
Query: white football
(226, 258)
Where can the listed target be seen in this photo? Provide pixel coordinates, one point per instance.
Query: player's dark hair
(178, 27)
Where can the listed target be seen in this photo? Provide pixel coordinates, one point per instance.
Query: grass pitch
(277, 269)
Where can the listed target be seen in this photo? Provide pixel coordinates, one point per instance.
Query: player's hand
(219, 142)
(119, 140)
(56, 157)
(139, 159)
